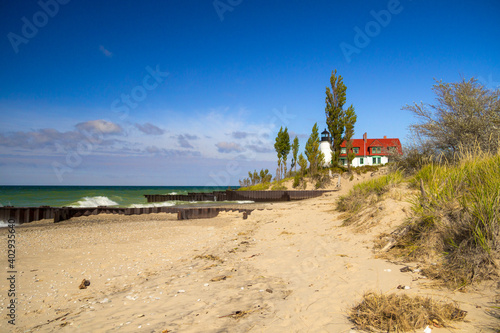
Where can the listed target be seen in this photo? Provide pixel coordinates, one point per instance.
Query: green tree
(295, 150)
(313, 153)
(265, 176)
(467, 113)
(335, 113)
(349, 121)
(277, 147)
(285, 146)
(255, 178)
(282, 147)
(303, 164)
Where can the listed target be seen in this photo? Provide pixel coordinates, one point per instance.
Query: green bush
(321, 178)
(257, 187)
(296, 180)
(338, 169)
(366, 168)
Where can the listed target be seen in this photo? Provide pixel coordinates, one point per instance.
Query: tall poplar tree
(278, 151)
(349, 121)
(335, 113)
(313, 153)
(282, 147)
(303, 164)
(295, 151)
(285, 148)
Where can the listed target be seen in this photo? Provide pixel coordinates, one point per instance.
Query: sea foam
(94, 202)
(154, 204)
(4, 224)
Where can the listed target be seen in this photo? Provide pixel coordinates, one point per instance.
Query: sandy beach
(290, 267)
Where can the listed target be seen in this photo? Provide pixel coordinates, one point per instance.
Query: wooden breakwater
(29, 214)
(256, 196)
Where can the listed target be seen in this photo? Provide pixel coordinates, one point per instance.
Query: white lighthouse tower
(325, 147)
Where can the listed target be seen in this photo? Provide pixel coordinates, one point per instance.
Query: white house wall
(368, 161)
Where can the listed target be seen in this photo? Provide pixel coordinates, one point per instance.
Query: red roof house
(371, 151)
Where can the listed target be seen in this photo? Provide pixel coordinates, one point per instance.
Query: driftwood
(395, 237)
(335, 175)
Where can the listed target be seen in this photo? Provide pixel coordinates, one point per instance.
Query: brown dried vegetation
(402, 313)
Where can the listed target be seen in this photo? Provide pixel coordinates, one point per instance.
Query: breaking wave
(94, 202)
(5, 224)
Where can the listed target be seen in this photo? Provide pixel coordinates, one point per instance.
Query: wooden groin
(256, 196)
(22, 215)
(29, 214)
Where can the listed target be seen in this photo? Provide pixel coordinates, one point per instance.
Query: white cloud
(260, 148)
(221, 127)
(56, 140)
(100, 126)
(229, 147)
(202, 137)
(150, 129)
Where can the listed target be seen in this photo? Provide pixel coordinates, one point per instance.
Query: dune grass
(368, 192)
(275, 186)
(457, 218)
(455, 221)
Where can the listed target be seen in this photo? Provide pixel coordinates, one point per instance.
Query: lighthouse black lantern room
(325, 136)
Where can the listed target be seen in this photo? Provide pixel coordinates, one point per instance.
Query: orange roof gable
(376, 143)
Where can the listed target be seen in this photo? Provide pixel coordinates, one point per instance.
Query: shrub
(296, 180)
(365, 168)
(465, 112)
(322, 179)
(338, 169)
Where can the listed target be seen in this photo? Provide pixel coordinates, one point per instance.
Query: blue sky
(194, 92)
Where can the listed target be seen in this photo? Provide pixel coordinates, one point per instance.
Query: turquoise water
(92, 196)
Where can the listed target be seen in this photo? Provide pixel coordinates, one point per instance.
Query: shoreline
(191, 205)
